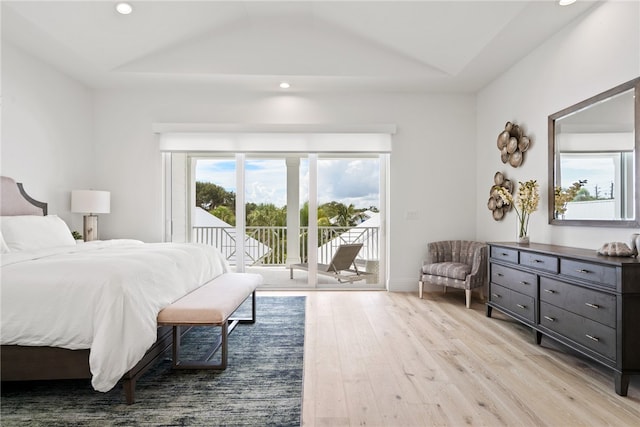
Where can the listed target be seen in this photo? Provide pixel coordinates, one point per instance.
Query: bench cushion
(213, 302)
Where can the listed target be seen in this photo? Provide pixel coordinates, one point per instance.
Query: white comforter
(99, 295)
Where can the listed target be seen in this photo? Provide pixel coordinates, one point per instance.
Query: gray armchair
(459, 264)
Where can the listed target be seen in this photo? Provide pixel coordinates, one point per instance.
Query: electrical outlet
(412, 215)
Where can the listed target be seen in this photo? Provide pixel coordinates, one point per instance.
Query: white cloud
(349, 181)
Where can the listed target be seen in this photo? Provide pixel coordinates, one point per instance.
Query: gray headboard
(15, 201)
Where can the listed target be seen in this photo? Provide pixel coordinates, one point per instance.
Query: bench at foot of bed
(212, 304)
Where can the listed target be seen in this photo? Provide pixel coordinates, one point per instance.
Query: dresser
(588, 302)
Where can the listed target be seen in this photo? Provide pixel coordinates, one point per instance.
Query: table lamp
(90, 202)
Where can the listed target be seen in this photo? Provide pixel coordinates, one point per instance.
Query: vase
(522, 236)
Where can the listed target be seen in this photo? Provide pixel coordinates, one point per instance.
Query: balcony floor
(277, 277)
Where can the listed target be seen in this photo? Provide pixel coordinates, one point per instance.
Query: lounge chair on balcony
(340, 266)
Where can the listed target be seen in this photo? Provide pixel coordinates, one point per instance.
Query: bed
(86, 310)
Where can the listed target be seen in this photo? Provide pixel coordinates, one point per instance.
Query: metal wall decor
(495, 203)
(512, 144)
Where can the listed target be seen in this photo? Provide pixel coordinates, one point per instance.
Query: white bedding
(102, 295)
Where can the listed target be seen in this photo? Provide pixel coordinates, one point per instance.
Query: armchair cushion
(454, 270)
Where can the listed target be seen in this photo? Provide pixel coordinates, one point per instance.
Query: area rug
(262, 385)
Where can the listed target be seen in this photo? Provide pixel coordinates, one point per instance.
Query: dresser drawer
(539, 262)
(594, 305)
(504, 254)
(500, 295)
(601, 274)
(523, 305)
(517, 280)
(514, 302)
(593, 335)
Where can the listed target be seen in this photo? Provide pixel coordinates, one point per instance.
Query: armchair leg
(467, 294)
(420, 288)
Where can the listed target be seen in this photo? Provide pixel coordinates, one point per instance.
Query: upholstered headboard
(15, 201)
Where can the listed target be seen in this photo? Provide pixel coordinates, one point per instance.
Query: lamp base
(90, 225)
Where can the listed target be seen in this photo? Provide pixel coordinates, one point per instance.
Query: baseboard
(403, 285)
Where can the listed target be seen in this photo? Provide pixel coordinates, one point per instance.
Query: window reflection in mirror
(608, 186)
(594, 143)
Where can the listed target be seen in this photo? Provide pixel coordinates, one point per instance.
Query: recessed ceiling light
(124, 8)
(284, 85)
(566, 2)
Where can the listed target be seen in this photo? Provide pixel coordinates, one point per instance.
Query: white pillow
(3, 245)
(32, 232)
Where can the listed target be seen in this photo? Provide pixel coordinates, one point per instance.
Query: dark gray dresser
(589, 302)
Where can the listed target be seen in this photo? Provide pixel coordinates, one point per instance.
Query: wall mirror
(596, 143)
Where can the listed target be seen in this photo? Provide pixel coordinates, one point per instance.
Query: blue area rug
(262, 385)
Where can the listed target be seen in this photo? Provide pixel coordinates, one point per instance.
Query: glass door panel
(213, 217)
(348, 214)
(266, 211)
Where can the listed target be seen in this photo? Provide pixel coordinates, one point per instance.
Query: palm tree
(348, 216)
(267, 215)
(224, 213)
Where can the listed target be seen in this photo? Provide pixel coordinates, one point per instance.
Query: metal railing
(268, 245)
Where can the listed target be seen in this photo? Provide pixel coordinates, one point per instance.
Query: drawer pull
(497, 295)
(499, 274)
(591, 337)
(583, 271)
(537, 260)
(550, 291)
(588, 304)
(504, 254)
(550, 319)
(524, 283)
(521, 306)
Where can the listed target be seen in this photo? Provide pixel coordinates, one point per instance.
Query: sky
(349, 181)
(598, 171)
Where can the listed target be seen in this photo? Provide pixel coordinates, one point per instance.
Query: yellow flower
(526, 204)
(562, 196)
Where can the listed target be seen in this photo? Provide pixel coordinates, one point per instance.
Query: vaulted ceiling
(315, 45)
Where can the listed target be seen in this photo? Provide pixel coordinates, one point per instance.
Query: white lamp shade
(90, 201)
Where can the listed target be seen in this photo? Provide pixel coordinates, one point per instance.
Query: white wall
(47, 131)
(439, 151)
(592, 55)
(432, 163)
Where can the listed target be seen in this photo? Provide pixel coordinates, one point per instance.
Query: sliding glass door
(213, 215)
(287, 216)
(348, 225)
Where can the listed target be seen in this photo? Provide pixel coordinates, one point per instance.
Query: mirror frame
(633, 84)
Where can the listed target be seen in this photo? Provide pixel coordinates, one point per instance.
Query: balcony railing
(268, 245)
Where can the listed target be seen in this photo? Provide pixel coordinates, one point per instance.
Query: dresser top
(569, 252)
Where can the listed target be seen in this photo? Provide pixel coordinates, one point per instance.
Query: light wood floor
(391, 359)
